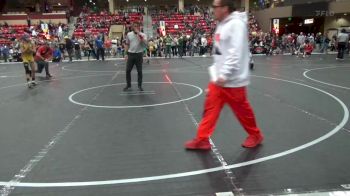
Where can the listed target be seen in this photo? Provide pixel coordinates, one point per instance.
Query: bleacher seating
(180, 20)
(105, 21)
(175, 23)
(13, 31)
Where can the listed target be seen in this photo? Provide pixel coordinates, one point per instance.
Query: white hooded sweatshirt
(230, 50)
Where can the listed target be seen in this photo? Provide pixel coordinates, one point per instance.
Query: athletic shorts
(28, 59)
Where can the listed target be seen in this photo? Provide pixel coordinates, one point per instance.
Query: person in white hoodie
(229, 78)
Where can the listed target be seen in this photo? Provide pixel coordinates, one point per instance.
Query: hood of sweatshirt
(237, 15)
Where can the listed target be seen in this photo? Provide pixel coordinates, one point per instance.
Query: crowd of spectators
(188, 33)
(93, 23)
(293, 43)
(11, 34)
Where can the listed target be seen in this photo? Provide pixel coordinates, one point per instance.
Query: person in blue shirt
(57, 55)
(100, 48)
(5, 52)
(1, 49)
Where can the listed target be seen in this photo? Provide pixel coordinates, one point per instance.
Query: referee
(136, 42)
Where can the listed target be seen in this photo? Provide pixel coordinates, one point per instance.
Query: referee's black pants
(341, 50)
(100, 51)
(134, 59)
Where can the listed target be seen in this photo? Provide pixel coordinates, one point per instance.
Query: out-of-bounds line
(322, 82)
(205, 171)
(10, 76)
(214, 149)
(8, 188)
(55, 79)
(165, 63)
(184, 57)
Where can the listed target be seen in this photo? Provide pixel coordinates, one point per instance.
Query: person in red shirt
(108, 46)
(210, 44)
(42, 58)
(308, 49)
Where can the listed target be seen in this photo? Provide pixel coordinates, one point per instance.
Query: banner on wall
(45, 28)
(162, 28)
(276, 26)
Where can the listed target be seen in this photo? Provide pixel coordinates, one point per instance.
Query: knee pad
(26, 68)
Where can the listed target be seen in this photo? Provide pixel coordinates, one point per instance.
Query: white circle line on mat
(200, 91)
(113, 71)
(203, 171)
(322, 82)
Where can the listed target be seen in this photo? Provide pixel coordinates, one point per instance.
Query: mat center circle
(155, 94)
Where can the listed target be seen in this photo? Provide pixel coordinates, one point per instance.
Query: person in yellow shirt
(28, 50)
(151, 48)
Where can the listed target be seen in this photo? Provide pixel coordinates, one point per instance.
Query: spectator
(77, 49)
(343, 40)
(69, 47)
(5, 52)
(168, 43)
(89, 47)
(174, 43)
(318, 41)
(195, 46)
(324, 43)
(57, 55)
(203, 45)
(181, 46)
(300, 40)
(100, 48)
(311, 39)
(108, 46)
(151, 47)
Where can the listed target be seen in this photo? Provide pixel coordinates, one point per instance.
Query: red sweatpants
(216, 98)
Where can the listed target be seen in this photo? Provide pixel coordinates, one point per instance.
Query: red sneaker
(252, 141)
(198, 144)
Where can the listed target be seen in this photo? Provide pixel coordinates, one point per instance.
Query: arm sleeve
(144, 40)
(235, 49)
(38, 52)
(127, 41)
